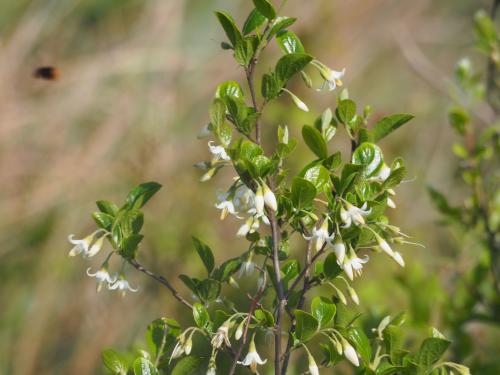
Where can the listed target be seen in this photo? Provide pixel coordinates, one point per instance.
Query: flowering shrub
(306, 233)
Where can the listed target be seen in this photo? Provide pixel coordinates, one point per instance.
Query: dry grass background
(136, 80)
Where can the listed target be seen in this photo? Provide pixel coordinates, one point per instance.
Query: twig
(161, 280)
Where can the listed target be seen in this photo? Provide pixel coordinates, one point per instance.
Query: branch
(161, 280)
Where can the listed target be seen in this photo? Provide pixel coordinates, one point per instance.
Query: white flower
(221, 336)
(339, 250)
(350, 353)
(245, 228)
(352, 214)
(270, 198)
(259, 200)
(218, 152)
(299, 103)
(211, 371)
(122, 285)
(226, 205)
(252, 359)
(244, 198)
(247, 267)
(102, 277)
(383, 174)
(313, 367)
(89, 246)
(333, 79)
(321, 235)
(353, 265)
(180, 347)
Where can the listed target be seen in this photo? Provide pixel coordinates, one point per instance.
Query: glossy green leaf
(245, 49)
(289, 42)
(205, 253)
(388, 124)
(330, 266)
(370, 156)
(289, 65)
(114, 362)
(394, 178)
(229, 89)
(227, 269)
(303, 193)
(143, 366)
(270, 86)
(393, 340)
(139, 196)
(280, 23)
(107, 207)
(209, 290)
(229, 26)
(200, 315)
(218, 113)
(130, 244)
(265, 8)
(307, 325)
(253, 21)
(315, 141)
(160, 334)
(323, 310)
(318, 175)
(264, 317)
(103, 220)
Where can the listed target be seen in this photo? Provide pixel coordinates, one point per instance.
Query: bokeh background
(136, 79)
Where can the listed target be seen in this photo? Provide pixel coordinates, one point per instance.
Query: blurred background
(136, 79)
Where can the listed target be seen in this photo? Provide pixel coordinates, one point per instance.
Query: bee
(49, 73)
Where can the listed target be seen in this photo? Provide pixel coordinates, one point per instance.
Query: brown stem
(161, 280)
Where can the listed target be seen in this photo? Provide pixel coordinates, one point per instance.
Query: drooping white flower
(245, 228)
(259, 200)
(180, 347)
(88, 246)
(350, 353)
(339, 250)
(102, 276)
(333, 78)
(382, 174)
(247, 267)
(218, 152)
(226, 205)
(352, 214)
(222, 336)
(252, 359)
(269, 198)
(321, 235)
(296, 100)
(353, 265)
(122, 285)
(313, 367)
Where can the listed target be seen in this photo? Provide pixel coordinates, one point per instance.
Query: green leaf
(218, 113)
(192, 284)
(370, 157)
(431, 351)
(142, 366)
(393, 339)
(270, 86)
(200, 315)
(318, 175)
(279, 24)
(107, 207)
(330, 266)
(358, 337)
(114, 362)
(315, 141)
(346, 111)
(289, 42)
(387, 125)
(138, 197)
(303, 193)
(290, 270)
(307, 325)
(289, 65)
(188, 366)
(103, 220)
(441, 203)
(264, 317)
(245, 49)
(394, 178)
(253, 21)
(323, 310)
(205, 254)
(229, 26)
(227, 269)
(229, 89)
(160, 334)
(209, 290)
(458, 118)
(130, 244)
(265, 8)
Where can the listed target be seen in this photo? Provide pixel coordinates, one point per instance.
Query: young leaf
(230, 28)
(289, 65)
(138, 197)
(315, 141)
(307, 325)
(323, 310)
(265, 8)
(346, 111)
(143, 366)
(303, 193)
(387, 125)
(289, 42)
(114, 362)
(200, 315)
(253, 21)
(205, 254)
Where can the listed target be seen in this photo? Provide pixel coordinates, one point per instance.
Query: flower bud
(239, 330)
(339, 250)
(270, 198)
(353, 295)
(259, 200)
(390, 203)
(398, 259)
(350, 353)
(313, 367)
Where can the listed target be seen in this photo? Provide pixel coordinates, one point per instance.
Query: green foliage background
(136, 81)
